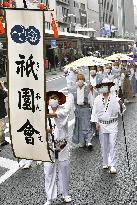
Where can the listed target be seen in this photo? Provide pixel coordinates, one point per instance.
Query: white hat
(105, 82)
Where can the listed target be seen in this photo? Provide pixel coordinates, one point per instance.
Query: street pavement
(89, 184)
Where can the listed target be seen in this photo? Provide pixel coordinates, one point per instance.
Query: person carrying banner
(3, 113)
(57, 124)
(105, 113)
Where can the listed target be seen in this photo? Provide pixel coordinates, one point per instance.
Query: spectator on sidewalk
(3, 113)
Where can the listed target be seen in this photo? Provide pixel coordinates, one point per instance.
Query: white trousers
(108, 148)
(50, 171)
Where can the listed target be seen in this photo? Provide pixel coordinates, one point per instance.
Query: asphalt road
(89, 185)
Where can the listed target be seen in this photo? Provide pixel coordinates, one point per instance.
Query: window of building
(111, 9)
(74, 4)
(47, 3)
(104, 4)
(103, 16)
(82, 6)
(106, 17)
(108, 6)
(64, 11)
(75, 20)
(109, 21)
(47, 25)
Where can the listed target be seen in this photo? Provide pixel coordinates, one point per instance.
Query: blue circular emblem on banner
(33, 35)
(21, 35)
(18, 34)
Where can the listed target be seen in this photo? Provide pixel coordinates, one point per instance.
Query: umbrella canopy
(88, 61)
(119, 57)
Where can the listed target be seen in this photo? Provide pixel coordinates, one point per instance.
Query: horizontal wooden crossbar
(25, 9)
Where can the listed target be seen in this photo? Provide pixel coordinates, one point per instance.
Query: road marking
(56, 78)
(64, 89)
(8, 164)
(62, 76)
(8, 139)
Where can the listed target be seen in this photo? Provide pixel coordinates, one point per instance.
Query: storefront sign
(53, 44)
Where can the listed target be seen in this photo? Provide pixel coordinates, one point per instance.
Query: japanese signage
(53, 44)
(26, 84)
(107, 29)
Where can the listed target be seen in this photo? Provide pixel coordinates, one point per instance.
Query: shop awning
(67, 34)
(85, 29)
(113, 39)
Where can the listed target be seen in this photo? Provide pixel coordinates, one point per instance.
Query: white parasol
(119, 56)
(88, 61)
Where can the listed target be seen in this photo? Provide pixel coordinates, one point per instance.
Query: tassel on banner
(6, 4)
(41, 6)
(2, 29)
(54, 27)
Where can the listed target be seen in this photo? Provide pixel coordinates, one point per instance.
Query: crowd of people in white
(96, 104)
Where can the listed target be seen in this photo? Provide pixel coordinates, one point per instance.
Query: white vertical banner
(26, 84)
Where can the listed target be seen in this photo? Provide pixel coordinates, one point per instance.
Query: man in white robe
(95, 78)
(105, 113)
(59, 122)
(71, 75)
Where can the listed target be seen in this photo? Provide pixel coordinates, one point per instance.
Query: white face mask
(80, 82)
(53, 103)
(100, 72)
(132, 71)
(92, 72)
(103, 89)
(115, 67)
(107, 70)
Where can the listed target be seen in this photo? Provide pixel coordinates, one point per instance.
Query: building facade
(135, 21)
(115, 17)
(128, 18)
(62, 11)
(93, 16)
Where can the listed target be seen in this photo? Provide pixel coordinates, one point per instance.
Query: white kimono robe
(60, 131)
(71, 79)
(98, 113)
(107, 132)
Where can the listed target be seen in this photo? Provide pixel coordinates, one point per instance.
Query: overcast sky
(135, 2)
